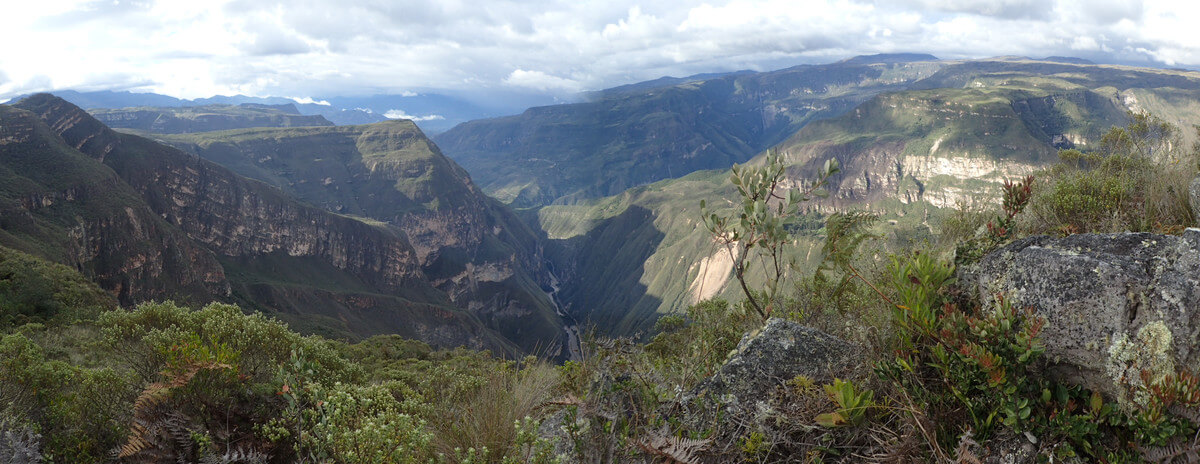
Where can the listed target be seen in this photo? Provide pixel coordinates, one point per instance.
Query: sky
(314, 48)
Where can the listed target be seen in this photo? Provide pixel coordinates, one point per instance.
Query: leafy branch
(759, 229)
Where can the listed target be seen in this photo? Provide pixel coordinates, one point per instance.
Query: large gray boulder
(1115, 304)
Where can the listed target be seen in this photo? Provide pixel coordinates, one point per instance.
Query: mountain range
(499, 233)
(433, 111)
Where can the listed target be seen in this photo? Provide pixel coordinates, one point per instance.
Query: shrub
(976, 368)
(759, 227)
(78, 412)
(1135, 180)
(364, 425)
(144, 337)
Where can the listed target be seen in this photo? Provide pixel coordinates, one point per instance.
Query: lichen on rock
(1149, 352)
(1115, 304)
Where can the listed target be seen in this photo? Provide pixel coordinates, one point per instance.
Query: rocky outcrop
(1115, 304)
(780, 352)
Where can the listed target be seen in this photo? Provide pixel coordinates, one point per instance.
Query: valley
(605, 192)
(911, 155)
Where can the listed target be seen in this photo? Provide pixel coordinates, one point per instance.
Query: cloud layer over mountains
(346, 47)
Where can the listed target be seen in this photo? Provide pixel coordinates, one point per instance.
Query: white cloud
(400, 114)
(540, 81)
(309, 101)
(363, 47)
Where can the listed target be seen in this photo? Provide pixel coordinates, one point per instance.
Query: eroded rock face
(475, 250)
(64, 206)
(1115, 304)
(232, 215)
(781, 351)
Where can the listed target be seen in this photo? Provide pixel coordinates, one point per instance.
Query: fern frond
(963, 453)
(151, 419)
(673, 449)
(1176, 451)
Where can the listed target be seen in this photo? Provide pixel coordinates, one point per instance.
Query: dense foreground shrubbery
(163, 383)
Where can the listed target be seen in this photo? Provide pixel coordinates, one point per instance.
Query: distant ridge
(107, 99)
(1067, 60)
(889, 58)
(188, 119)
(665, 81)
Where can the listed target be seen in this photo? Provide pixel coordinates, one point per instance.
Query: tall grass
(485, 418)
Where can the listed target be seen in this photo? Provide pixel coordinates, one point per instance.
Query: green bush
(144, 336)
(364, 425)
(80, 413)
(977, 368)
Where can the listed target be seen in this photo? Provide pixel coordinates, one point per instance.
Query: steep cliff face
(229, 214)
(325, 272)
(182, 120)
(946, 147)
(468, 245)
(57, 203)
